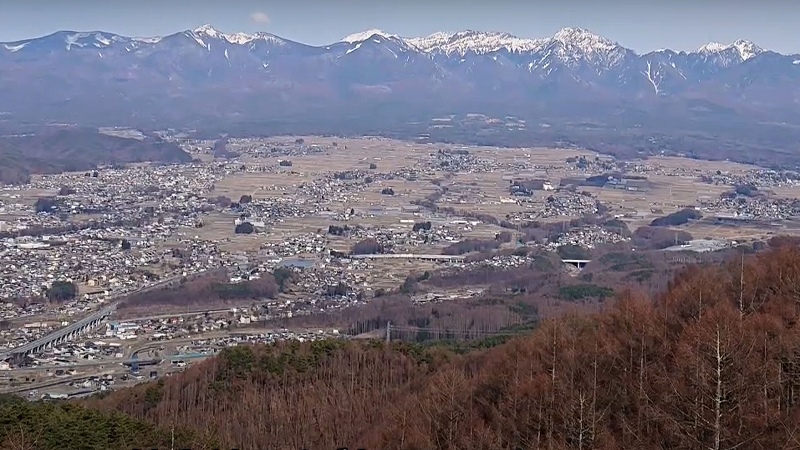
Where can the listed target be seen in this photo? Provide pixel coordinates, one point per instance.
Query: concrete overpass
(579, 263)
(84, 325)
(447, 258)
(62, 335)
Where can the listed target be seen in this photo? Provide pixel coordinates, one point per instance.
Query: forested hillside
(76, 149)
(711, 364)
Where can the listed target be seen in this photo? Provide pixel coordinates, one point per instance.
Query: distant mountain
(61, 149)
(202, 77)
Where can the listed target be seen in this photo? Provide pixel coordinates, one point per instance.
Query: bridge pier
(58, 337)
(579, 263)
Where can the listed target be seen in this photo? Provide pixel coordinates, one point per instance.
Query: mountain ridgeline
(203, 78)
(711, 363)
(60, 149)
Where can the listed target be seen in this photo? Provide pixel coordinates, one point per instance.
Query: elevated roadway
(579, 263)
(80, 327)
(67, 333)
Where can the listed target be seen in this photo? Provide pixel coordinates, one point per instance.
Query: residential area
(265, 230)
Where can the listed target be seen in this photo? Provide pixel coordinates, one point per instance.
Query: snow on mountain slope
(15, 47)
(569, 46)
(479, 42)
(67, 40)
(574, 54)
(147, 40)
(208, 31)
(356, 38)
(744, 49)
(464, 67)
(94, 39)
(376, 42)
(573, 45)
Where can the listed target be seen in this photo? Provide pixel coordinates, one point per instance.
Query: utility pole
(388, 331)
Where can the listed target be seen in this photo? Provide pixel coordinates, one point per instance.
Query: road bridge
(82, 326)
(579, 263)
(61, 335)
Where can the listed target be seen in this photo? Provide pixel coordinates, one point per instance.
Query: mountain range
(204, 78)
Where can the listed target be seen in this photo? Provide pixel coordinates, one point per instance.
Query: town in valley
(132, 272)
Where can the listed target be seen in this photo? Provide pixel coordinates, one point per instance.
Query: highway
(52, 382)
(62, 332)
(99, 367)
(110, 362)
(143, 346)
(75, 326)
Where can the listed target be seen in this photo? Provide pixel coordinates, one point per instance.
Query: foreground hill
(566, 87)
(76, 149)
(41, 426)
(712, 364)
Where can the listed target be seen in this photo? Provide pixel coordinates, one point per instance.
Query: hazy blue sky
(642, 25)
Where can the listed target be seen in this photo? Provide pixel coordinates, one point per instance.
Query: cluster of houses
(760, 178)
(752, 208)
(586, 237)
(257, 148)
(565, 203)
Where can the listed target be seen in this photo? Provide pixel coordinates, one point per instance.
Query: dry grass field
(478, 192)
(475, 192)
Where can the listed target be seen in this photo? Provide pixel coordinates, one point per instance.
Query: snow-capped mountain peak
(234, 38)
(712, 47)
(479, 42)
(355, 38)
(584, 40)
(575, 45)
(207, 30)
(745, 49)
(464, 67)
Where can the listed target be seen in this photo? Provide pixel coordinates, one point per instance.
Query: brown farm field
(484, 192)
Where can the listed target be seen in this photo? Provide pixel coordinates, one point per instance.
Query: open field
(482, 192)
(464, 190)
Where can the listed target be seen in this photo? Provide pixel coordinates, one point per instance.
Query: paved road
(137, 348)
(53, 382)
